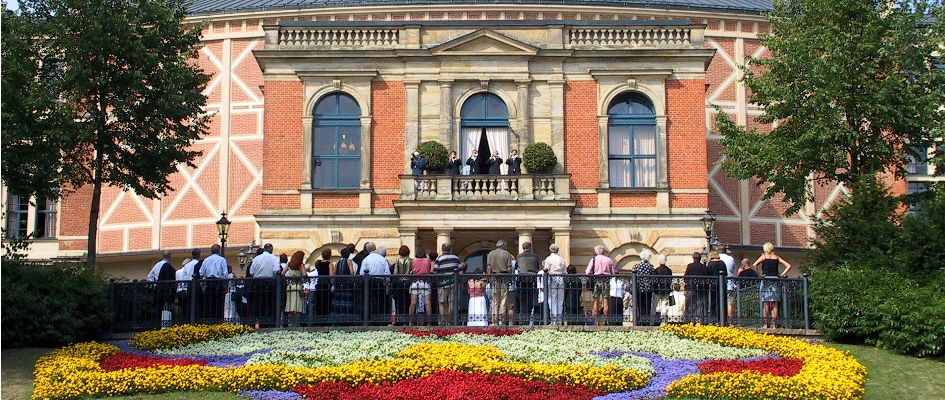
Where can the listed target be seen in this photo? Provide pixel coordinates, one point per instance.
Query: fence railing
(462, 299)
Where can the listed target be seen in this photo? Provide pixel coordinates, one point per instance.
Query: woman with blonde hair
(770, 287)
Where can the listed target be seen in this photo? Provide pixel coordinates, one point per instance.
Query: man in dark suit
(515, 163)
(473, 163)
(494, 163)
(453, 165)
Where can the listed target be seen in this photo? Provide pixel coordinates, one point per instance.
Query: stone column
(562, 237)
(408, 237)
(525, 235)
(446, 115)
(306, 202)
(557, 121)
(524, 115)
(442, 237)
(412, 121)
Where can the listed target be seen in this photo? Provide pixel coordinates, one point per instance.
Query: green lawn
(891, 376)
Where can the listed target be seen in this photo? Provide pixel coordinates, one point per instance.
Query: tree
(853, 85)
(107, 91)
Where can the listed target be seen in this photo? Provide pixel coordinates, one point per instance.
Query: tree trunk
(94, 210)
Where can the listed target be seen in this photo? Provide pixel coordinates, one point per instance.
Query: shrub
(52, 305)
(436, 155)
(539, 158)
(860, 230)
(882, 308)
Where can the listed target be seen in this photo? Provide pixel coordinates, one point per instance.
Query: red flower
(773, 366)
(449, 385)
(447, 332)
(123, 360)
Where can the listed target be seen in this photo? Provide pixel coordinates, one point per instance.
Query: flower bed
(481, 364)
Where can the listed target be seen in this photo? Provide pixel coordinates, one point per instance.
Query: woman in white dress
(478, 315)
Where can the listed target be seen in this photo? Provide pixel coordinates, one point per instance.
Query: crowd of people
(424, 289)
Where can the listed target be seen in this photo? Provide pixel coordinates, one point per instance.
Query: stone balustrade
(353, 37)
(629, 37)
(485, 187)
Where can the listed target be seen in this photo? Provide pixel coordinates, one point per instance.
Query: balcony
(485, 187)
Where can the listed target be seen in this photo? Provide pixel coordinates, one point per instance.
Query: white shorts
(420, 288)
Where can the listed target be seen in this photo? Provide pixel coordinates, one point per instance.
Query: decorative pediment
(484, 42)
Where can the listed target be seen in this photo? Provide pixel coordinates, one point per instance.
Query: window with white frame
(631, 131)
(19, 210)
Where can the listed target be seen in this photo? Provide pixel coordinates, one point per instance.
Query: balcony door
(485, 128)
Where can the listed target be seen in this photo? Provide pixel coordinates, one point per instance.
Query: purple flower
(269, 395)
(212, 361)
(667, 371)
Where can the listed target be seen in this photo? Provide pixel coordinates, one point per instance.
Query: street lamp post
(708, 225)
(223, 229)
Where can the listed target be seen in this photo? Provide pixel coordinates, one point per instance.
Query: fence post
(111, 306)
(634, 296)
(806, 304)
(366, 298)
(723, 299)
(278, 303)
(546, 283)
(456, 297)
(192, 298)
(134, 303)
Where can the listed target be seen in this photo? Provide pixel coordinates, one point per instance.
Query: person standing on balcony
(515, 163)
(453, 164)
(499, 261)
(417, 165)
(495, 163)
(473, 163)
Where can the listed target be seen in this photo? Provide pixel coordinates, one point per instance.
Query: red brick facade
(581, 139)
(283, 132)
(388, 129)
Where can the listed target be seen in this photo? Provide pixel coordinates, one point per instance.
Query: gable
(484, 42)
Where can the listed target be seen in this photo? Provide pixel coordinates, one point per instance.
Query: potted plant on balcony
(435, 154)
(539, 158)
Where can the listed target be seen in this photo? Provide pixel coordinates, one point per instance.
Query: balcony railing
(485, 187)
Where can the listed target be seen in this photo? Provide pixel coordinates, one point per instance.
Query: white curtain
(644, 143)
(619, 143)
(499, 140)
(471, 137)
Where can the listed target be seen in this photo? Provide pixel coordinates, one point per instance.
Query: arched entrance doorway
(476, 262)
(485, 128)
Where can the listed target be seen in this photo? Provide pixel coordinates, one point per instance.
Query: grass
(891, 376)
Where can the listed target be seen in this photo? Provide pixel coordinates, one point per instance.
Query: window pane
(642, 106)
(324, 174)
(918, 166)
(327, 106)
(496, 108)
(350, 142)
(644, 174)
(644, 140)
(619, 139)
(473, 108)
(347, 106)
(620, 173)
(349, 172)
(324, 140)
(619, 108)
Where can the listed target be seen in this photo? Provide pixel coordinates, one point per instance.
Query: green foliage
(436, 155)
(127, 99)
(852, 86)
(877, 276)
(861, 229)
(852, 304)
(52, 305)
(539, 158)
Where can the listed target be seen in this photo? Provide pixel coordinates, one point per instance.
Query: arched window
(485, 128)
(336, 143)
(631, 132)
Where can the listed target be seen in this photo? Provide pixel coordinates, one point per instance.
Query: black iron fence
(462, 299)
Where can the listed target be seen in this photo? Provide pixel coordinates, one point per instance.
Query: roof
(204, 7)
